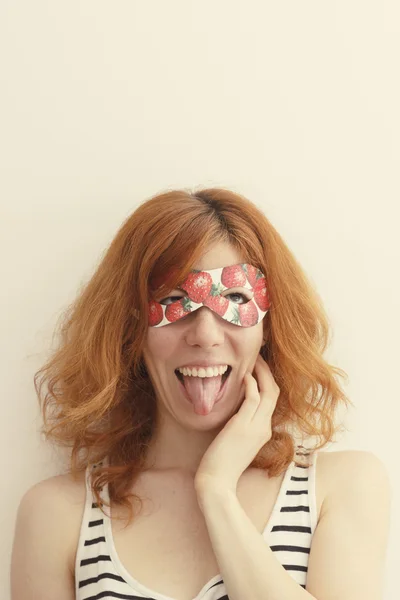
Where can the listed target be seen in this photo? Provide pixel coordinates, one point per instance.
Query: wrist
(208, 487)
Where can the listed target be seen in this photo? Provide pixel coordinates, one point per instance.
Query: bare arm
(348, 551)
(40, 564)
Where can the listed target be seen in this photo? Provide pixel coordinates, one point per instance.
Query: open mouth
(223, 378)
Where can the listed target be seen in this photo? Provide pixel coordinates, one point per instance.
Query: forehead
(219, 255)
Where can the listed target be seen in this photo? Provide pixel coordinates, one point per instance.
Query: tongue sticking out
(202, 392)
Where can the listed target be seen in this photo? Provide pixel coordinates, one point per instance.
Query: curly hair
(99, 400)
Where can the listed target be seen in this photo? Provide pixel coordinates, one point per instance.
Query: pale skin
(234, 448)
(245, 560)
(348, 549)
(200, 335)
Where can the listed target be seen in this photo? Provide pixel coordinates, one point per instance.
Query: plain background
(294, 104)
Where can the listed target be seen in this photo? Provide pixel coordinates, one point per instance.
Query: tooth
(203, 372)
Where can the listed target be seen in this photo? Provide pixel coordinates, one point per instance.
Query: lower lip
(217, 399)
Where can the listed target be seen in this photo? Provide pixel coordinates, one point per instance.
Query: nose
(205, 329)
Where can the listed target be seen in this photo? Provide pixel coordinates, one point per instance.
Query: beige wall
(294, 104)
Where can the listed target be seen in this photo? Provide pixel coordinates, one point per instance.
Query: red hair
(100, 402)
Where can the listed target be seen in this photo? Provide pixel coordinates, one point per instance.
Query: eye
(245, 298)
(174, 299)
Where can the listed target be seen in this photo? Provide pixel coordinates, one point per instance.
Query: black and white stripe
(99, 573)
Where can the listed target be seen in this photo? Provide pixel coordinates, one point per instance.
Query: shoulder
(50, 514)
(347, 474)
(55, 493)
(347, 556)
(343, 463)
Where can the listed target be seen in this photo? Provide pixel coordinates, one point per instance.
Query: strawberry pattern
(205, 288)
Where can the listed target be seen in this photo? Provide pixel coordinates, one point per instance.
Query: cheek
(160, 343)
(249, 346)
(251, 338)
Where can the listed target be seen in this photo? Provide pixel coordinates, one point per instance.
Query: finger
(264, 375)
(268, 389)
(251, 397)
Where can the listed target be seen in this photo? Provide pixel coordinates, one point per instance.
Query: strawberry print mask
(205, 288)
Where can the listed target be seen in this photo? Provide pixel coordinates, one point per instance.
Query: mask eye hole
(244, 293)
(245, 299)
(172, 298)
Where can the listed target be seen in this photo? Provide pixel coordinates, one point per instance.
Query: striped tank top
(100, 574)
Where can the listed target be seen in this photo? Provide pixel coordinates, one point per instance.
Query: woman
(189, 369)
